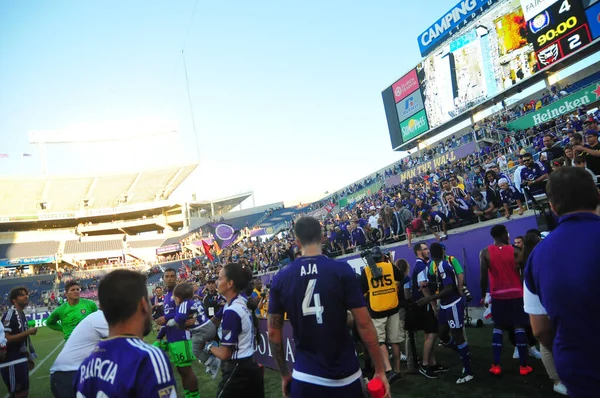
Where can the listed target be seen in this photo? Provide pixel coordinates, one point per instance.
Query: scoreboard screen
(558, 31)
(494, 49)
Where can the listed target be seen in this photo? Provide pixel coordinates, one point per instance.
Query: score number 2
(310, 295)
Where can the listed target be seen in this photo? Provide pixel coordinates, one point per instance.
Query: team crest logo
(549, 54)
(168, 392)
(539, 22)
(83, 311)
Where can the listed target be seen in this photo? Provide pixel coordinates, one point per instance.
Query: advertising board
(410, 105)
(405, 85)
(454, 20)
(26, 261)
(531, 8)
(566, 105)
(414, 126)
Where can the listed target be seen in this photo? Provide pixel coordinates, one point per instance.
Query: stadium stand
(29, 249)
(64, 193)
(73, 246)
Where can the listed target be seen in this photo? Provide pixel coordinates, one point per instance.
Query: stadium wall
(465, 245)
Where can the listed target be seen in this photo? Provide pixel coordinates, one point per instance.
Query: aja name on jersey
(316, 292)
(125, 366)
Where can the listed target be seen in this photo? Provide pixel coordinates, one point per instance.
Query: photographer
(379, 281)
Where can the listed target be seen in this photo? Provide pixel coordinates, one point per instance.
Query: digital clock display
(558, 31)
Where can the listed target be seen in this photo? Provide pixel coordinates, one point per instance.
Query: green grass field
(509, 385)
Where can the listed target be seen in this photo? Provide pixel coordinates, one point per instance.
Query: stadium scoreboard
(479, 49)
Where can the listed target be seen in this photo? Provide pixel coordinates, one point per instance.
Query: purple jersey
(173, 333)
(446, 276)
(316, 293)
(510, 196)
(125, 366)
(190, 309)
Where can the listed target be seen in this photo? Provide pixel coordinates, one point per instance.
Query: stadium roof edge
(100, 174)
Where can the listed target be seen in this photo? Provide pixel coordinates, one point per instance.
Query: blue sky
(286, 95)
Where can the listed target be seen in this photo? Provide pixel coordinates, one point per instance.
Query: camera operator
(379, 281)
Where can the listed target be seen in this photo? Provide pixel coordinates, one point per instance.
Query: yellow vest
(383, 293)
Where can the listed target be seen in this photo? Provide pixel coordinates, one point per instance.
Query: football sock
(521, 338)
(463, 351)
(450, 344)
(497, 345)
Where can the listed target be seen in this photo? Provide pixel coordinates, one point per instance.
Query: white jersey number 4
(310, 295)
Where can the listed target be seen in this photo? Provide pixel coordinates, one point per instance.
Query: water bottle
(375, 388)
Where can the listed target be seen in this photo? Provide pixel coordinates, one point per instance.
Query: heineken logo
(565, 105)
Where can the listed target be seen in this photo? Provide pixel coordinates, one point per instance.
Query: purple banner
(432, 164)
(263, 353)
(223, 233)
(169, 249)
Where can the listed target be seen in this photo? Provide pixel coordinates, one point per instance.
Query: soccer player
(19, 350)
(123, 365)
(179, 340)
(499, 269)
(451, 316)
(202, 329)
(316, 292)
(567, 323)
(424, 317)
(72, 311)
(79, 346)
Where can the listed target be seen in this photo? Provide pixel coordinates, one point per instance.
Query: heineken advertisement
(360, 195)
(566, 105)
(414, 126)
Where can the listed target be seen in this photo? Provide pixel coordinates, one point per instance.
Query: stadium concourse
(83, 228)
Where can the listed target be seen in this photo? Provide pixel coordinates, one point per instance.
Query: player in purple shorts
(451, 316)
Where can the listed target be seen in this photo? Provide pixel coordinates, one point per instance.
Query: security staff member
(238, 334)
(212, 300)
(383, 305)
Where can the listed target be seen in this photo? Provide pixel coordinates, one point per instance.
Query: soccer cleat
(464, 378)
(437, 368)
(403, 358)
(525, 370)
(427, 372)
(516, 353)
(560, 388)
(533, 352)
(496, 370)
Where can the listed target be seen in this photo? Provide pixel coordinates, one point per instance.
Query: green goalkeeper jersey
(70, 316)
